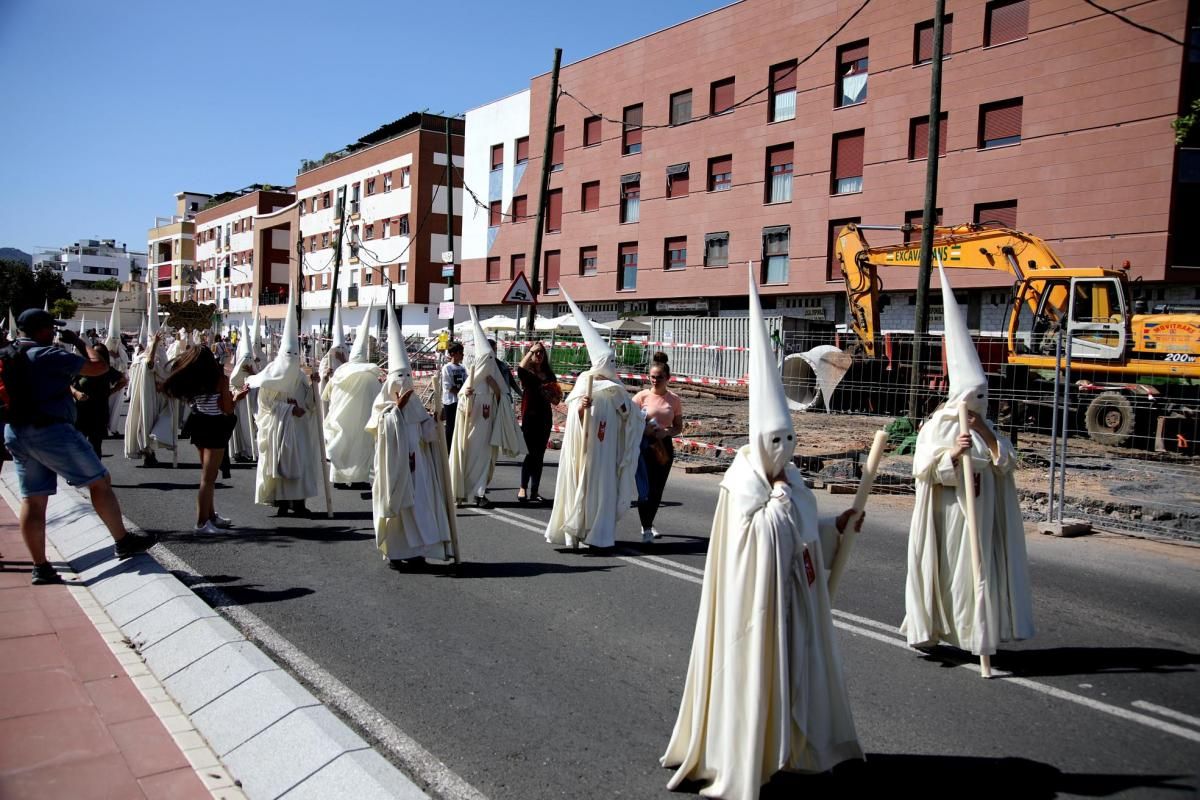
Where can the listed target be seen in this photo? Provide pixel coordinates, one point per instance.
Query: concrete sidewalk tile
(89, 655)
(36, 692)
(102, 777)
(155, 593)
(148, 748)
(168, 656)
(163, 621)
(180, 784)
(230, 793)
(215, 778)
(15, 579)
(286, 753)
(52, 739)
(117, 699)
(361, 774)
(26, 622)
(59, 605)
(178, 723)
(31, 652)
(202, 758)
(21, 597)
(80, 543)
(250, 708)
(188, 739)
(112, 580)
(216, 673)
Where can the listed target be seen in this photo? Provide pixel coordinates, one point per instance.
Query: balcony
(273, 297)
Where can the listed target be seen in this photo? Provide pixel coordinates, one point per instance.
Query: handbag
(658, 453)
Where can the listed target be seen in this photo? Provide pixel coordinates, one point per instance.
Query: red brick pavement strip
(72, 722)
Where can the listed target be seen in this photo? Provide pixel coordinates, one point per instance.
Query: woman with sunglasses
(540, 392)
(664, 420)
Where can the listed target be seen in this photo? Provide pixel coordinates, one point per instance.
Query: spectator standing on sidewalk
(91, 393)
(539, 394)
(197, 378)
(454, 375)
(664, 420)
(42, 438)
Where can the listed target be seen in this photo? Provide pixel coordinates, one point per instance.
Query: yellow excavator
(1126, 366)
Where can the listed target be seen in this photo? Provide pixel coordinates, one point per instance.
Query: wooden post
(968, 483)
(860, 503)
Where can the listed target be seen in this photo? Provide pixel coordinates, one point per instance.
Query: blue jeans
(42, 454)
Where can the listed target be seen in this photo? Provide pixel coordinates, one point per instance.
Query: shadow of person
(882, 773)
(510, 569)
(1053, 661)
(249, 593)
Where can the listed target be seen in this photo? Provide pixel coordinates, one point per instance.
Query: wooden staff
(968, 482)
(175, 433)
(860, 503)
(444, 465)
(321, 439)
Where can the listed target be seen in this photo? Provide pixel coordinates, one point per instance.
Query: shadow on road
(279, 535)
(160, 485)
(1076, 660)
(517, 569)
(248, 593)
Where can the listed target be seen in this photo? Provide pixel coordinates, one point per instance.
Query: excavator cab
(1089, 301)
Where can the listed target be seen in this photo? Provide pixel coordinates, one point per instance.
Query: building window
(923, 39)
(588, 260)
(387, 183)
(497, 157)
(590, 196)
(675, 253)
(681, 107)
(851, 74)
(913, 220)
(404, 178)
(779, 168)
(494, 214)
(1004, 213)
(326, 201)
(716, 249)
(720, 173)
(677, 180)
(782, 105)
(368, 277)
(557, 145)
(520, 208)
(354, 199)
(387, 228)
(370, 231)
(551, 271)
(1005, 21)
(493, 269)
(918, 137)
(720, 96)
(1000, 123)
(303, 203)
(312, 244)
(591, 131)
(848, 162)
(775, 254)
(833, 269)
(516, 265)
(370, 186)
(404, 225)
(627, 255)
(554, 211)
(631, 130)
(522, 150)
(631, 197)
(324, 240)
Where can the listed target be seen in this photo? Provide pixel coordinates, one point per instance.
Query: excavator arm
(967, 246)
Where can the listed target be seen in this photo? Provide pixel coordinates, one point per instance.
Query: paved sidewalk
(72, 721)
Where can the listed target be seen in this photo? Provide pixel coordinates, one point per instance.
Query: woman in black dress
(539, 394)
(91, 400)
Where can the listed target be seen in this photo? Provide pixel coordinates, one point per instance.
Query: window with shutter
(720, 173)
(493, 269)
(556, 148)
(675, 253)
(779, 174)
(1003, 212)
(775, 254)
(554, 211)
(497, 156)
(918, 137)
(677, 180)
(494, 214)
(522, 150)
(588, 260)
(848, 162)
(631, 197)
(782, 105)
(552, 270)
(913, 219)
(716, 249)
(851, 74)
(923, 39)
(833, 270)
(720, 96)
(1000, 123)
(591, 131)
(1005, 21)
(516, 265)
(520, 208)
(631, 130)
(681, 107)
(627, 271)
(590, 196)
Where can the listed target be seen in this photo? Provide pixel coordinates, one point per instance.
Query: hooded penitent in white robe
(765, 690)
(597, 465)
(336, 356)
(942, 602)
(118, 360)
(351, 393)
(486, 423)
(409, 495)
(149, 411)
(242, 444)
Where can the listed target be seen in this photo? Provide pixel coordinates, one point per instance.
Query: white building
(90, 260)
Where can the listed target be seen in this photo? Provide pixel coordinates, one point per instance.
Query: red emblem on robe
(487, 410)
(600, 429)
(809, 572)
(412, 462)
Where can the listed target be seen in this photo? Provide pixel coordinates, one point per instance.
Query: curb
(234, 711)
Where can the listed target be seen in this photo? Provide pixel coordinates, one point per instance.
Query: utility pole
(450, 216)
(928, 217)
(299, 288)
(544, 184)
(337, 257)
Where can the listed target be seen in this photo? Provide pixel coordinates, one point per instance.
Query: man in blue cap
(42, 438)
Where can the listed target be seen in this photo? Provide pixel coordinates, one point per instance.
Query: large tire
(1110, 419)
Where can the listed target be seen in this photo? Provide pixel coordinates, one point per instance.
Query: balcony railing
(273, 297)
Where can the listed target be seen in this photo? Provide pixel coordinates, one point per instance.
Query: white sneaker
(654, 532)
(207, 527)
(647, 535)
(221, 522)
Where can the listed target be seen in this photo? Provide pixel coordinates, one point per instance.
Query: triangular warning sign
(520, 291)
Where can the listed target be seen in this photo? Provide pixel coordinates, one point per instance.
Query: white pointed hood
(151, 314)
(283, 373)
(12, 324)
(242, 356)
(116, 351)
(399, 370)
(82, 324)
(772, 435)
(362, 340)
(968, 383)
(338, 333)
(256, 339)
(482, 346)
(604, 360)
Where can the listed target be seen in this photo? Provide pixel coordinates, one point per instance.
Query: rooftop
(417, 120)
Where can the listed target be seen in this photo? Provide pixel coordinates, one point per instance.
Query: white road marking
(1167, 712)
(874, 629)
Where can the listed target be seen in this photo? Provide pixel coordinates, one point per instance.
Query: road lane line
(873, 629)
(1167, 712)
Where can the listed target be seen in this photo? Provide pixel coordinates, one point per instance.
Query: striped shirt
(209, 404)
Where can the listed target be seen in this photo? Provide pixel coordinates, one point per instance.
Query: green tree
(64, 308)
(106, 285)
(22, 288)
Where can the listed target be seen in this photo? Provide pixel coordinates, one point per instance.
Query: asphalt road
(534, 672)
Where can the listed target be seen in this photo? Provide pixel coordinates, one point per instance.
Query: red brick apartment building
(681, 155)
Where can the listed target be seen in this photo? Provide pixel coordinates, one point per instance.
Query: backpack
(17, 404)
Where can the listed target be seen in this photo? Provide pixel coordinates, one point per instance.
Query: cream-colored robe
(350, 447)
(485, 426)
(289, 452)
(408, 492)
(593, 491)
(765, 690)
(940, 600)
(148, 422)
(242, 444)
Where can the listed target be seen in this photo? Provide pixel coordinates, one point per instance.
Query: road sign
(445, 310)
(448, 270)
(447, 256)
(520, 291)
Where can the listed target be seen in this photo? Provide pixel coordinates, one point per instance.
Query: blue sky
(109, 107)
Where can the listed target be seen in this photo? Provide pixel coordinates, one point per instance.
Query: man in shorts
(44, 442)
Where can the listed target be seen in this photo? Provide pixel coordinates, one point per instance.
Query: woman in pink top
(664, 419)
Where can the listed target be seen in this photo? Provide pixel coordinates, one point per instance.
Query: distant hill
(15, 255)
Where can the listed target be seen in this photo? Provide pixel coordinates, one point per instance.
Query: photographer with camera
(40, 433)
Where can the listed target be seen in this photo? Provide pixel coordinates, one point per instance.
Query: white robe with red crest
(485, 426)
